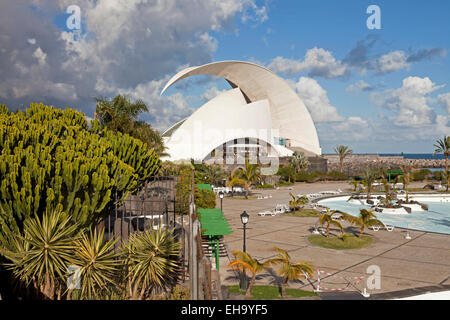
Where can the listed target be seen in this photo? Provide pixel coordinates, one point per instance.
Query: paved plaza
(423, 261)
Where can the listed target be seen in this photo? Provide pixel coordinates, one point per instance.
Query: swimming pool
(436, 219)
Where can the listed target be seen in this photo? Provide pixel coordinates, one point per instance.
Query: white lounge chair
(389, 228)
(266, 213)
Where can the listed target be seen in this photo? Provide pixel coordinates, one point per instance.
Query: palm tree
(407, 169)
(249, 175)
(213, 174)
(299, 161)
(369, 178)
(342, 151)
(289, 270)
(326, 219)
(234, 180)
(151, 260)
(297, 202)
(120, 114)
(443, 146)
(98, 266)
(366, 218)
(246, 262)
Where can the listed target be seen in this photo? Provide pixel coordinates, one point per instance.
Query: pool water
(436, 219)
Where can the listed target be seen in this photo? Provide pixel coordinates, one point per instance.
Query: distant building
(261, 116)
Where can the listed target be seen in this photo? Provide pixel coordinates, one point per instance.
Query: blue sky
(379, 91)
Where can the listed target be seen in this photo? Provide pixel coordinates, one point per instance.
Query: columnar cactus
(50, 159)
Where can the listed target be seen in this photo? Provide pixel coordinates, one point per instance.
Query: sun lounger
(389, 228)
(266, 213)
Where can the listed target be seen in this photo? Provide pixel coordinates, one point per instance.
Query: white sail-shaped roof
(261, 100)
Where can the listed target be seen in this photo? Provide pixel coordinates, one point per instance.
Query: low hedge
(321, 176)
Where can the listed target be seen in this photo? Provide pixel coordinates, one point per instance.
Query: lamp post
(221, 199)
(244, 220)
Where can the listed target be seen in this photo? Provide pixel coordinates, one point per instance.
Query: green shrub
(204, 199)
(284, 183)
(264, 186)
(421, 175)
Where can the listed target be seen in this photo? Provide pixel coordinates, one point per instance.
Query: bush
(421, 175)
(285, 183)
(320, 176)
(264, 186)
(204, 199)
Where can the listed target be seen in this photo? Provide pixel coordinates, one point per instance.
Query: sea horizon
(405, 155)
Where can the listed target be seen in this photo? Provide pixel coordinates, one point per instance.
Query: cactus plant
(51, 160)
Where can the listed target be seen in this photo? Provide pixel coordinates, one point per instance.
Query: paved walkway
(423, 261)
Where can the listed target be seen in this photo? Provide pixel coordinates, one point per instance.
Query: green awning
(213, 222)
(204, 187)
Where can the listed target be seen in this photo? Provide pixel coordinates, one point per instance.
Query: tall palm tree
(289, 270)
(366, 218)
(369, 178)
(299, 161)
(342, 151)
(407, 169)
(120, 114)
(443, 146)
(249, 175)
(246, 262)
(213, 174)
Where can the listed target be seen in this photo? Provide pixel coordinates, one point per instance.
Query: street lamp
(221, 199)
(244, 220)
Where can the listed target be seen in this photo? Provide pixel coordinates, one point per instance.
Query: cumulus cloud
(409, 102)
(318, 62)
(392, 61)
(316, 100)
(361, 85)
(124, 46)
(444, 101)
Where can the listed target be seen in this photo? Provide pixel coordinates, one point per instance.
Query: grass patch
(243, 197)
(332, 242)
(272, 292)
(303, 213)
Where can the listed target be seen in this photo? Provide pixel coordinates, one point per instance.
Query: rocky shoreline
(354, 164)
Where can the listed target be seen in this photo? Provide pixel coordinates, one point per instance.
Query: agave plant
(289, 270)
(151, 261)
(41, 256)
(97, 262)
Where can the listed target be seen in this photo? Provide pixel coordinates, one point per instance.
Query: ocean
(414, 155)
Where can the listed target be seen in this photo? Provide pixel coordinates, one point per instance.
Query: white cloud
(124, 44)
(409, 102)
(361, 85)
(211, 93)
(316, 100)
(317, 62)
(444, 101)
(392, 61)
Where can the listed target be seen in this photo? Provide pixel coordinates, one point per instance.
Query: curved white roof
(267, 102)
